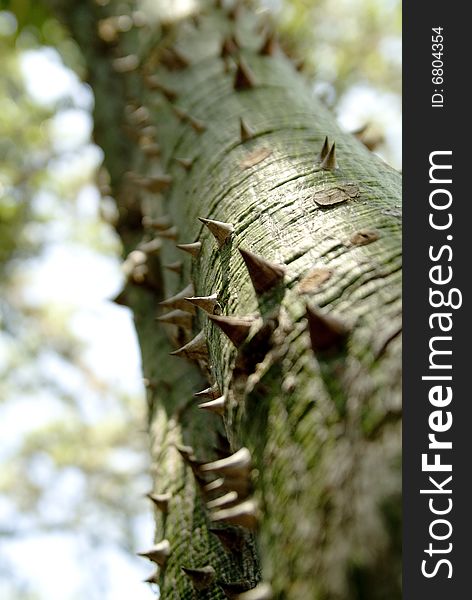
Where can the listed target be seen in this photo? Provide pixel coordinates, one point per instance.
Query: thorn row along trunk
(263, 248)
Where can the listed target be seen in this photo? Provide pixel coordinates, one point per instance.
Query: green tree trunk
(309, 360)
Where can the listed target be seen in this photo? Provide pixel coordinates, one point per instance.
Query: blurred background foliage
(73, 459)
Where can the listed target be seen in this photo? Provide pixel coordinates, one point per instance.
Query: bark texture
(316, 402)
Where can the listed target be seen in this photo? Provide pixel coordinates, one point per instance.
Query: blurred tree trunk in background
(202, 115)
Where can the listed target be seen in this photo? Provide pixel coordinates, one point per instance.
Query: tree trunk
(310, 368)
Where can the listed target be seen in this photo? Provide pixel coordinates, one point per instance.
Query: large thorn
(244, 78)
(194, 248)
(151, 247)
(324, 150)
(230, 537)
(240, 484)
(229, 46)
(175, 267)
(232, 589)
(264, 274)
(221, 231)
(169, 234)
(262, 591)
(216, 406)
(207, 303)
(187, 453)
(210, 392)
(246, 132)
(156, 183)
(178, 301)
(196, 349)
(161, 501)
(153, 578)
(213, 486)
(201, 578)
(329, 162)
(235, 328)
(245, 514)
(158, 553)
(236, 465)
(177, 317)
(160, 223)
(326, 333)
(228, 499)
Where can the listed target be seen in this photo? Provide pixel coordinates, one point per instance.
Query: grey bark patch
(255, 157)
(336, 195)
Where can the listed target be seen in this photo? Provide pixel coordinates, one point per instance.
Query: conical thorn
(207, 303)
(158, 553)
(221, 231)
(235, 328)
(263, 273)
(326, 333)
(201, 578)
(196, 349)
(210, 392)
(246, 132)
(175, 267)
(244, 78)
(245, 514)
(329, 162)
(161, 501)
(216, 406)
(177, 317)
(236, 465)
(324, 150)
(228, 499)
(193, 248)
(178, 301)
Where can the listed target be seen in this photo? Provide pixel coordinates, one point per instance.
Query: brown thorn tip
(216, 406)
(158, 553)
(235, 328)
(264, 274)
(153, 578)
(245, 131)
(196, 349)
(329, 162)
(221, 231)
(210, 392)
(178, 301)
(245, 514)
(201, 578)
(244, 77)
(186, 163)
(324, 150)
(161, 501)
(177, 317)
(207, 303)
(326, 333)
(262, 591)
(193, 248)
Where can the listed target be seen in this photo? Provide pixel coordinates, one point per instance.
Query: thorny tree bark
(206, 117)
